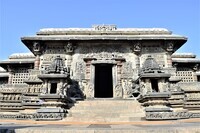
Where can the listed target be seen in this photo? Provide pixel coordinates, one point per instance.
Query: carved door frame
(114, 72)
(116, 75)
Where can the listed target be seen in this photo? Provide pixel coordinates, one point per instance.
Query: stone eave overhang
(4, 75)
(32, 81)
(110, 30)
(102, 37)
(52, 76)
(174, 79)
(155, 75)
(185, 60)
(28, 41)
(5, 64)
(197, 73)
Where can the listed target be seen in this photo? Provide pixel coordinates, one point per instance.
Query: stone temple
(103, 73)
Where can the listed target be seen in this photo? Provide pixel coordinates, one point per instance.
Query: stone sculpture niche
(58, 66)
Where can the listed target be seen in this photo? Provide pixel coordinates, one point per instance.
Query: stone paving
(178, 126)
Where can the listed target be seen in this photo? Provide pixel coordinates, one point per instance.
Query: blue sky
(25, 17)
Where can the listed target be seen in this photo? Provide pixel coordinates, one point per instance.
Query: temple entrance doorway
(103, 81)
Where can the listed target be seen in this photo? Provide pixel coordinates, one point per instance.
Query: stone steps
(110, 110)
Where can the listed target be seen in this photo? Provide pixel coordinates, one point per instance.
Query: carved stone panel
(90, 90)
(55, 49)
(80, 70)
(118, 91)
(127, 71)
(159, 58)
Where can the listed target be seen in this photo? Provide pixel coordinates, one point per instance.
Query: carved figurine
(69, 48)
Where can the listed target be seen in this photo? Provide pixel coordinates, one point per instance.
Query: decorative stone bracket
(137, 47)
(69, 48)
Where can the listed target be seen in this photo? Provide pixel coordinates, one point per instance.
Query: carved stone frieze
(55, 49)
(105, 27)
(177, 96)
(167, 115)
(102, 56)
(33, 78)
(151, 49)
(48, 116)
(34, 88)
(13, 90)
(7, 116)
(10, 97)
(48, 58)
(195, 115)
(98, 50)
(36, 116)
(192, 96)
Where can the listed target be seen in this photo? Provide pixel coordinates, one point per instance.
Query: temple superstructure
(102, 62)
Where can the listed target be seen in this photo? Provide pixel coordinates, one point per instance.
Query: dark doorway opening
(198, 78)
(53, 89)
(103, 81)
(154, 85)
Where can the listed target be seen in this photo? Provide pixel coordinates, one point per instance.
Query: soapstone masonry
(118, 74)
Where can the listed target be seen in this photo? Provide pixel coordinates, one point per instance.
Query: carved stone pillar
(170, 50)
(37, 62)
(137, 61)
(195, 68)
(68, 60)
(119, 70)
(10, 75)
(137, 49)
(118, 90)
(88, 77)
(88, 68)
(169, 60)
(69, 48)
(37, 49)
(148, 85)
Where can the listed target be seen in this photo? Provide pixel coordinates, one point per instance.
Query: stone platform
(178, 126)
